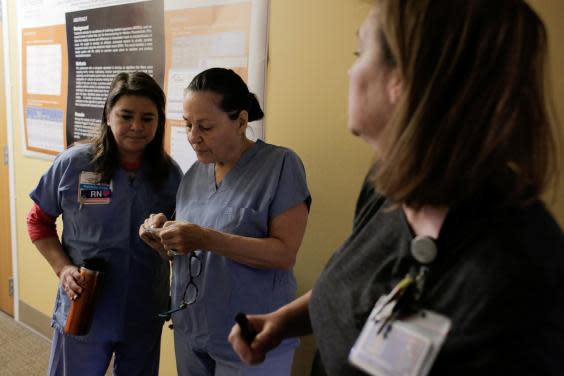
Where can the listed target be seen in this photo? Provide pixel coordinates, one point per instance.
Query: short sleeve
(292, 186)
(47, 192)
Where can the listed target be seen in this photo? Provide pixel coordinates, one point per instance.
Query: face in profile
(133, 121)
(373, 86)
(213, 135)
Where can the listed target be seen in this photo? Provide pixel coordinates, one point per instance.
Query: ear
(243, 121)
(394, 86)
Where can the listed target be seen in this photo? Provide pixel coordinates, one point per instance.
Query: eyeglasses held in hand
(191, 290)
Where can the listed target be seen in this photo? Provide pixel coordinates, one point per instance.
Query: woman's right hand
(71, 281)
(149, 232)
(269, 335)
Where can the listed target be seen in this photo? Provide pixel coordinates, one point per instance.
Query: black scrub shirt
(499, 276)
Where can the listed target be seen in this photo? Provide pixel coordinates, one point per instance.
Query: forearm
(52, 249)
(256, 252)
(294, 317)
(276, 250)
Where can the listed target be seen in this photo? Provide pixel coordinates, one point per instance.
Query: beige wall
(552, 13)
(311, 45)
(36, 280)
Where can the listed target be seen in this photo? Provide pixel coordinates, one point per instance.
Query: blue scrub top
(136, 284)
(265, 182)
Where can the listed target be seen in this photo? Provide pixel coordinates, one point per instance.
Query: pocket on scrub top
(102, 223)
(246, 221)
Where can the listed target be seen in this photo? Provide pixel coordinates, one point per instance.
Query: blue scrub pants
(193, 362)
(70, 357)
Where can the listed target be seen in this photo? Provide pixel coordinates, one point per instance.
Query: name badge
(91, 191)
(408, 347)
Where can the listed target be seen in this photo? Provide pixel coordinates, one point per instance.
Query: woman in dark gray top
(450, 94)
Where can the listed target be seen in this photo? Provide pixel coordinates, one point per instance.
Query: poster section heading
(103, 42)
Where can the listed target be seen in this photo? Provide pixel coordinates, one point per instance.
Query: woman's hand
(269, 335)
(183, 237)
(71, 281)
(291, 320)
(150, 230)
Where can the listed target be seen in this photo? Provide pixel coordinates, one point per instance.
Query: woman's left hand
(149, 232)
(182, 237)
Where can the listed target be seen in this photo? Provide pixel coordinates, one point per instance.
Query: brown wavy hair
(474, 116)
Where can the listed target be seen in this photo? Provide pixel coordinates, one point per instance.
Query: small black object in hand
(247, 331)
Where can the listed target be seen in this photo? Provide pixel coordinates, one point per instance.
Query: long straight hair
(106, 156)
(473, 117)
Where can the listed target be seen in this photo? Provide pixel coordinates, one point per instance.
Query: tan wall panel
(37, 282)
(311, 47)
(552, 13)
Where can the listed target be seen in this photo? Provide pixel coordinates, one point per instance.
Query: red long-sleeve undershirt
(40, 225)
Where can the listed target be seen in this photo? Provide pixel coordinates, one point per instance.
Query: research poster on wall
(72, 49)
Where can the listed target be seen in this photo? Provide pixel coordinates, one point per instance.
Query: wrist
(209, 238)
(59, 270)
(282, 318)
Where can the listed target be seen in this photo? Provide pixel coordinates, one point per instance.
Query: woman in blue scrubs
(128, 165)
(241, 214)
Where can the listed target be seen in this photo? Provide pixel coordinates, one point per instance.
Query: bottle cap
(95, 264)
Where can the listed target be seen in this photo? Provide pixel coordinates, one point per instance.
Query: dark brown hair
(473, 116)
(235, 95)
(105, 156)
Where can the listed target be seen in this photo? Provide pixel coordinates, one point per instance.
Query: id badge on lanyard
(91, 191)
(398, 339)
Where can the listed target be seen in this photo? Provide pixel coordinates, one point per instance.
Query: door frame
(10, 142)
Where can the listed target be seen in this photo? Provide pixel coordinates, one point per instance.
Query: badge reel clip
(399, 338)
